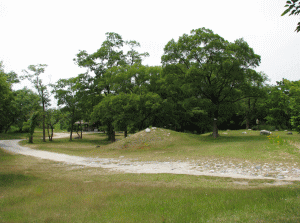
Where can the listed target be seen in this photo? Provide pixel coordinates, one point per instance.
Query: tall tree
(291, 90)
(103, 62)
(6, 96)
(33, 75)
(257, 89)
(216, 70)
(65, 92)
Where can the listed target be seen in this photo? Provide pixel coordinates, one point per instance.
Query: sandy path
(214, 167)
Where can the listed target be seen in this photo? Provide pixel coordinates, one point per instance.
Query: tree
(34, 78)
(293, 7)
(105, 61)
(278, 104)
(249, 105)
(66, 93)
(216, 71)
(31, 124)
(53, 116)
(292, 90)
(6, 97)
(25, 103)
(117, 110)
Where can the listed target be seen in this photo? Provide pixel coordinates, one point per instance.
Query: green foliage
(67, 95)
(113, 73)
(31, 124)
(278, 106)
(6, 96)
(25, 103)
(293, 7)
(214, 69)
(33, 75)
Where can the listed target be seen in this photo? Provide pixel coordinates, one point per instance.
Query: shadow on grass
(224, 138)
(8, 136)
(15, 180)
(95, 139)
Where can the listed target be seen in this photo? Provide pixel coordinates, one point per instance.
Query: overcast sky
(53, 32)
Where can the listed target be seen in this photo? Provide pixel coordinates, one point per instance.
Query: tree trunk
(71, 131)
(110, 132)
(215, 124)
(248, 114)
(125, 132)
(31, 139)
(81, 129)
(48, 132)
(247, 123)
(51, 136)
(44, 132)
(215, 128)
(113, 138)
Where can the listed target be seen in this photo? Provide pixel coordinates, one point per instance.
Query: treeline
(204, 83)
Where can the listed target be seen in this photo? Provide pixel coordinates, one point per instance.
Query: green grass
(167, 145)
(10, 135)
(34, 190)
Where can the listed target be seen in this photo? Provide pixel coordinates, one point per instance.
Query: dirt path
(206, 167)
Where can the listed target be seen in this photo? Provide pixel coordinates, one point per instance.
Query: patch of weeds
(275, 139)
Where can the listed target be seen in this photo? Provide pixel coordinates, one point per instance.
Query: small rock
(147, 130)
(258, 167)
(244, 132)
(265, 132)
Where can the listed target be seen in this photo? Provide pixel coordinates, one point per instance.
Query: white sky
(53, 32)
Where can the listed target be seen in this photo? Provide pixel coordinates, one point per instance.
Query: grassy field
(34, 190)
(167, 145)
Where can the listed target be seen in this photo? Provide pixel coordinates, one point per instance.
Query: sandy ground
(247, 170)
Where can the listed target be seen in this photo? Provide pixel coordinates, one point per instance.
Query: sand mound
(144, 139)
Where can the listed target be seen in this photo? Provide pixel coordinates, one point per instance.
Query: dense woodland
(204, 83)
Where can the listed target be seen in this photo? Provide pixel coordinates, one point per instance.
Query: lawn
(35, 190)
(168, 145)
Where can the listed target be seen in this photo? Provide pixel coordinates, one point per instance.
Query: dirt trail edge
(200, 167)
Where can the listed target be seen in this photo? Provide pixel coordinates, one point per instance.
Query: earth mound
(145, 139)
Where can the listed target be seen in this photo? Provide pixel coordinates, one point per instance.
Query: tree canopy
(204, 83)
(216, 71)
